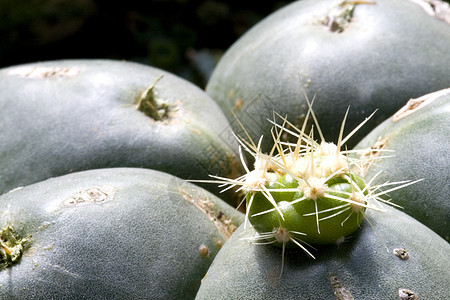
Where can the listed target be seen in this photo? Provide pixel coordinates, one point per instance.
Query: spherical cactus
(419, 135)
(64, 116)
(416, 266)
(309, 192)
(118, 233)
(366, 54)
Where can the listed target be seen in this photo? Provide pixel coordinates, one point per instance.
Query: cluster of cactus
(102, 215)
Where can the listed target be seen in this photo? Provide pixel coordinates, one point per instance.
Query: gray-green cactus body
(359, 267)
(365, 54)
(65, 116)
(419, 134)
(110, 234)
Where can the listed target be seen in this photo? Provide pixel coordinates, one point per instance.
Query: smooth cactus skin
(112, 234)
(373, 63)
(64, 116)
(357, 268)
(419, 134)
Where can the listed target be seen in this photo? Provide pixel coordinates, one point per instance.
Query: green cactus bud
(307, 193)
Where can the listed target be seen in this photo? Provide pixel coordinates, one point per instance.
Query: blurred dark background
(181, 36)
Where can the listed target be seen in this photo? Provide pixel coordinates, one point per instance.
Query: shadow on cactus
(308, 192)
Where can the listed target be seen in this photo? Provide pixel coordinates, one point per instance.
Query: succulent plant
(367, 54)
(419, 135)
(416, 266)
(65, 116)
(309, 192)
(119, 233)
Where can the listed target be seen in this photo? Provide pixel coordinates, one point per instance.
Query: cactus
(81, 114)
(358, 268)
(310, 192)
(119, 233)
(419, 134)
(358, 53)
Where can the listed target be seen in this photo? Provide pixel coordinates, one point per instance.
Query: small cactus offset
(309, 192)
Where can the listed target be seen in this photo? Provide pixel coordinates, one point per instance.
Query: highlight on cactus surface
(307, 192)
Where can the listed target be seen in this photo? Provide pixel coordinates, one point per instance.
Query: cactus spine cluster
(306, 192)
